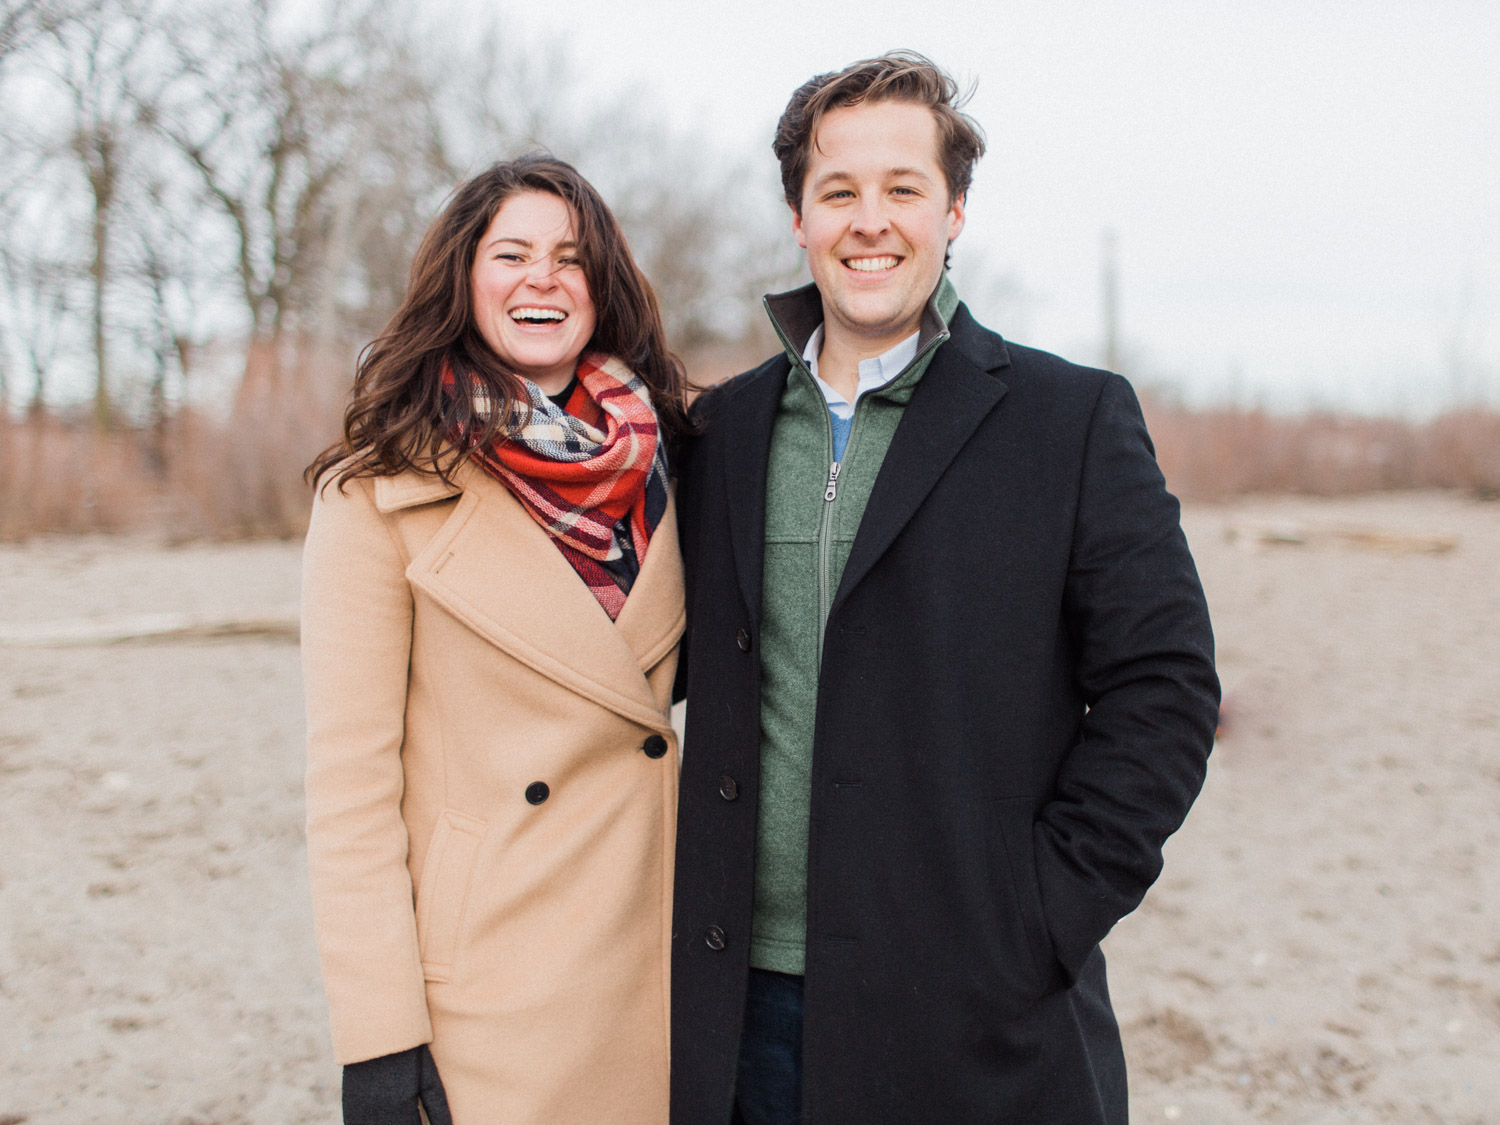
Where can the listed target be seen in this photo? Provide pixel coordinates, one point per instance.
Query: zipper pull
(831, 492)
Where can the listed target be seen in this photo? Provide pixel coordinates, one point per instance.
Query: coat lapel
(494, 568)
(954, 396)
(654, 615)
(747, 452)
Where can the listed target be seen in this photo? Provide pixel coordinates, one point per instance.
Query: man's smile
(873, 265)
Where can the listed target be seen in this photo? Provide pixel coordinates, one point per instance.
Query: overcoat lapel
(654, 615)
(747, 452)
(953, 397)
(494, 568)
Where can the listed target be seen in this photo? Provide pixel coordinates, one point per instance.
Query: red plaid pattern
(582, 471)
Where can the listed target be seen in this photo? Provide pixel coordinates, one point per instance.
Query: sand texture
(1323, 946)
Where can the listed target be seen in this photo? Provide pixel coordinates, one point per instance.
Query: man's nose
(870, 217)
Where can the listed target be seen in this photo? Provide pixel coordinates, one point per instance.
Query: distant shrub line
(196, 477)
(1218, 454)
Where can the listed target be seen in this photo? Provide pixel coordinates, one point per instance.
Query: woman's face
(531, 300)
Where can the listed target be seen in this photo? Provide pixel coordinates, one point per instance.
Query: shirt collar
(873, 373)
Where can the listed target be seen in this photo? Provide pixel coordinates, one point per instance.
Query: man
(950, 682)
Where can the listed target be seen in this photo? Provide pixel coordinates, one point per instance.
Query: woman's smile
(531, 298)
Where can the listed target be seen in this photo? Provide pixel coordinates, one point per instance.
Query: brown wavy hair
(398, 417)
(897, 76)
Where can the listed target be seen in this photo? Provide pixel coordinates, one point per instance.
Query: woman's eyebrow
(568, 244)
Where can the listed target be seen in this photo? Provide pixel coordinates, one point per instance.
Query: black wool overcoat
(1015, 710)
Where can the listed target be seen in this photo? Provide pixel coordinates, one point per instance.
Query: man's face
(875, 219)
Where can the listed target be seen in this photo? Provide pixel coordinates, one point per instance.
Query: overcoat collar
(956, 394)
(959, 389)
(494, 568)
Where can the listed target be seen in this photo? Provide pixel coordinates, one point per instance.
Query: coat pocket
(1016, 837)
(443, 893)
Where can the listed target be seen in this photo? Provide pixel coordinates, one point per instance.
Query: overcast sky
(1306, 196)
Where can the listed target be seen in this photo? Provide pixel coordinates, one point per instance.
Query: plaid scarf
(593, 475)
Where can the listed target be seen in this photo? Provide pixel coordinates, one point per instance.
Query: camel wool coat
(491, 800)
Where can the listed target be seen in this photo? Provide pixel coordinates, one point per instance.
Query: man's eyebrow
(893, 173)
(829, 177)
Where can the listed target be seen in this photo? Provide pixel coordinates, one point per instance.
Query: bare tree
(33, 312)
(22, 21)
(174, 289)
(397, 172)
(102, 60)
(303, 144)
(204, 168)
(39, 272)
(240, 117)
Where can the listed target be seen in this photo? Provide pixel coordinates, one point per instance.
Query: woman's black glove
(385, 1091)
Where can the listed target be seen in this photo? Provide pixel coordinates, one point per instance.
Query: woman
(492, 603)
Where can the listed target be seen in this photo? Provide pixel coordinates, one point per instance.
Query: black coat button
(654, 746)
(714, 938)
(728, 788)
(742, 639)
(537, 792)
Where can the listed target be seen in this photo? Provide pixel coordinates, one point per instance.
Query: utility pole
(1110, 285)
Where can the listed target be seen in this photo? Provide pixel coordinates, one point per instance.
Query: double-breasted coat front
(491, 788)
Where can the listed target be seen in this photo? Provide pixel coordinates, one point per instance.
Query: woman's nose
(540, 274)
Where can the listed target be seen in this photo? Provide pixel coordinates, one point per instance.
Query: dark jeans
(769, 1086)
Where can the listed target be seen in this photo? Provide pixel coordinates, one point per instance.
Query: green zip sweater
(813, 509)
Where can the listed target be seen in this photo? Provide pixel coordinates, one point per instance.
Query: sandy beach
(1323, 946)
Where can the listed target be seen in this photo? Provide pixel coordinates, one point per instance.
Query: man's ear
(956, 218)
(797, 227)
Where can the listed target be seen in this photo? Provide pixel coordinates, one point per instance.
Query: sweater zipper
(825, 525)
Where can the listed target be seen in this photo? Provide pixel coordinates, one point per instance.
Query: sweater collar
(797, 313)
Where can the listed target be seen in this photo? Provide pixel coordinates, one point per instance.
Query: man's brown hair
(896, 76)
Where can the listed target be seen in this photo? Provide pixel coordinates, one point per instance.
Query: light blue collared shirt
(873, 374)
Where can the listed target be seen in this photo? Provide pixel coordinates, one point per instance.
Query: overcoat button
(537, 792)
(654, 746)
(714, 938)
(742, 639)
(728, 789)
